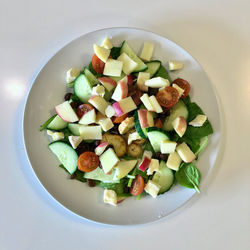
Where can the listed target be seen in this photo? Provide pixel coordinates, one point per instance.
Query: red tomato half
(87, 161)
(168, 97)
(184, 85)
(137, 186)
(97, 64)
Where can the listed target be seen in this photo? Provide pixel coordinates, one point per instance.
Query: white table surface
(214, 32)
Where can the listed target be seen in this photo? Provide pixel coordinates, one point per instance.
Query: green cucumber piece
(65, 154)
(118, 78)
(140, 131)
(155, 136)
(83, 88)
(164, 177)
(74, 128)
(179, 109)
(125, 48)
(57, 123)
(153, 67)
(98, 174)
(91, 77)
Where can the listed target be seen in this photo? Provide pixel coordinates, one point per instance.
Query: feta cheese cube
(72, 74)
(75, 141)
(110, 197)
(106, 124)
(153, 166)
(142, 78)
(168, 147)
(133, 137)
(98, 90)
(152, 188)
(110, 111)
(185, 152)
(180, 90)
(198, 121)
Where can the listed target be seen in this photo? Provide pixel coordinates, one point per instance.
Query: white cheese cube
(72, 74)
(107, 44)
(198, 121)
(174, 161)
(91, 132)
(185, 153)
(128, 64)
(167, 146)
(141, 79)
(75, 141)
(147, 51)
(57, 136)
(101, 53)
(133, 137)
(108, 160)
(157, 82)
(98, 90)
(157, 107)
(174, 65)
(49, 132)
(110, 197)
(106, 124)
(113, 68)
(110, 111)
(152, 188)
(145, 100)
(180, 90)
(153, 166)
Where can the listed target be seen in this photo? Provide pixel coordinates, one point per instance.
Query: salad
(126, 126)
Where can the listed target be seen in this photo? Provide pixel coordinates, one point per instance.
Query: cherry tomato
(168, 97)
(137, 186)
(184, 85)
(97, 64)
(83, 109)
(87, 161)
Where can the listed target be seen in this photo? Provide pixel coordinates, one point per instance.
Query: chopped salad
(126, 126)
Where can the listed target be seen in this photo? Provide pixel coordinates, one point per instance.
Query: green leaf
(79, 175)
(44, 126)
(162, 72)
(187, 100)
(189, 176)
(117, 187)
(91, 69)
(115, 52)
(71, 84)
(202, 146)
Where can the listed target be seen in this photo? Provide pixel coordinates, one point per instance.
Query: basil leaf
(189, 176)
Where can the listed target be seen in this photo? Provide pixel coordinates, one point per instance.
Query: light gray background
(214, 32)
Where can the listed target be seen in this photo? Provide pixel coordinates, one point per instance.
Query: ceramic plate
(48, 91)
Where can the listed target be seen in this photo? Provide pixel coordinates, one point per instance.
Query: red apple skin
(124, 89)
(117, 109)
(143, 118)
(145, 163)
(58, 112)
(107, 80)
(180, 126)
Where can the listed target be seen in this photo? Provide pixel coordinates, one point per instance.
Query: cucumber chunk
(126, 49)
(155, 136)
(140, 131)
(57, 123)
(83, 88)
(153, 67)
(65, 154)
(98, 174)
(75, 128)
(91, 77)
(164, 177)
(179, 109)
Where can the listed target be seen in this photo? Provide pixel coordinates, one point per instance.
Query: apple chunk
(108, 160)
(123, 168)
(145, 118)
(167, 146)
(113, 68)
(101, 52)
(88, 118)
(174, 161)
(128, 64)
(99, 103)
(180, 125)
(91, 132)
(101, 148)
(121, 91)
(185, 153)
(142, 78)
(66, 112)
(107, 82)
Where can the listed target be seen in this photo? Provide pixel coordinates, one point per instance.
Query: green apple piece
(99, 175)
(167, 146)
(102, 53)
(128, 64)
(113, 68)
(108, 160)
(123, 168)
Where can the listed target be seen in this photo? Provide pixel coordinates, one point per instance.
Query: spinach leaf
(91, 69)
(187, 100)
(115, 52)
(80, 176)
(189, 176)
(117, 187)
(162, 72)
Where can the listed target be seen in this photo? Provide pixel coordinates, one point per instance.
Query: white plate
(49, 89)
